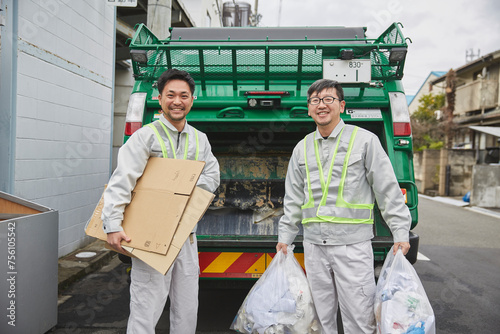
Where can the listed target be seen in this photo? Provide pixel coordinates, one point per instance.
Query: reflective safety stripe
(331, 208)
(310, 202)
(162, 142)
(197, 146)
(169, 138)
(237, 264)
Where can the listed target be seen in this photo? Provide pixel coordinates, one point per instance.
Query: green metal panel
(251, 60)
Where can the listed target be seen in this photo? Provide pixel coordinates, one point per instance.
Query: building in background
(56, 88)
(65, 81)
(472, 164)
(425, 89)
(185, 13)
(477, 104)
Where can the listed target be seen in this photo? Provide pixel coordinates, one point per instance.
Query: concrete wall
(418, 169)
(461, 163)
(486, 186)
(64, 109)
(426, 166)
(430, 171)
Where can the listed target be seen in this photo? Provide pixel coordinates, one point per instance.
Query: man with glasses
(334, 176)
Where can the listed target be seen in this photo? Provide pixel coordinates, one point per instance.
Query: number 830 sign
(347, 71)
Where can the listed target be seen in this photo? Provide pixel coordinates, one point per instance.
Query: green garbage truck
(250, 100)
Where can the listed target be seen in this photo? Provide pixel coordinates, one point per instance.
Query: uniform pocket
(355, 169)
(140, 276)
(368, 290)
(156, 153)
(354, 158)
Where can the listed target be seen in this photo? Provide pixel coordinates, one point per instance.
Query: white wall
(198, 10)
(64, 109)
(124, 80)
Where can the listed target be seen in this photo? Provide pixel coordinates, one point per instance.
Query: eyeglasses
(326, 100)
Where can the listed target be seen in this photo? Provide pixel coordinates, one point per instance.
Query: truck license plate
(347, 71)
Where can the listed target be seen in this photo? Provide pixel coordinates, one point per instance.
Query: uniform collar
(170, 126)
(334, 133)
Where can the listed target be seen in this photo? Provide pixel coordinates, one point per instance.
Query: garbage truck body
(251, 101)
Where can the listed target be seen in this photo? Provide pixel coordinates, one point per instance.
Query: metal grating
(249, 64)
(241, 62)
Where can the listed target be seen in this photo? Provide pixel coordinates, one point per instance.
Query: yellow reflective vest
(158, 126)
(326, 203)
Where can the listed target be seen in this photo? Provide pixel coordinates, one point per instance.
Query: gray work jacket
(370, 177)
(133, 157)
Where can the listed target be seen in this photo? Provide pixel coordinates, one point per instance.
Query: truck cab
(251, 101)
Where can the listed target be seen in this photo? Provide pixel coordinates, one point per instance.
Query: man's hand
(281, 246)
(405, 247)
(115, 239)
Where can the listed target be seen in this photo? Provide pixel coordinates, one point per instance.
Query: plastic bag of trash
(401, 304)
(279, 302)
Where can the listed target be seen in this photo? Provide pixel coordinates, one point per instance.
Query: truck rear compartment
(250, 100)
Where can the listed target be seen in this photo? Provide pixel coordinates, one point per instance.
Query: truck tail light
(135, 112)
(400, 114)
(131, 127)
(403, 190)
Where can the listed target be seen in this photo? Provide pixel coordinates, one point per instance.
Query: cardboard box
(165, 207)
(158, 202)
(198, 203)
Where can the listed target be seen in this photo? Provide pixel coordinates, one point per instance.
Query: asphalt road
(461, 278)
(459, 267)
(99, 304)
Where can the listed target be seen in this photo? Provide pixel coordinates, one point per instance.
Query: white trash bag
(279, 302)
(401, 305)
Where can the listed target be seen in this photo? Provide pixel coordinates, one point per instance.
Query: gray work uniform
(338, 256)
(149, 289)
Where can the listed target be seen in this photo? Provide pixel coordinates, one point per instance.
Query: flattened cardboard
(158, 201)
(143, 216)
(195, 209)
(198, 203)
(94, 226)
(171, 175)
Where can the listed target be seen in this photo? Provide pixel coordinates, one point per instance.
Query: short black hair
(322, 84)
(175, 74)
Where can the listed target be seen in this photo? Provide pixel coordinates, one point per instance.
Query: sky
(440, 30)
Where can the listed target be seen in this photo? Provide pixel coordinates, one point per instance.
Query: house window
(484, 72)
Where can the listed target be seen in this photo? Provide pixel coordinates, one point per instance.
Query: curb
(495, 212)
(71, 267)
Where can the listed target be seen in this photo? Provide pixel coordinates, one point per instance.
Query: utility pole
(159, 17)
(279, 15)
(451, 83)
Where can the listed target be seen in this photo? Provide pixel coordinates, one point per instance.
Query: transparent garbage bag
(279, 302)
(401, 304)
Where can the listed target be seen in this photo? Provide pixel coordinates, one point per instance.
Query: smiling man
(334, 176)
(169, 137)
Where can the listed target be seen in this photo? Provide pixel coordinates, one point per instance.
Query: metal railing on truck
(265, 55)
